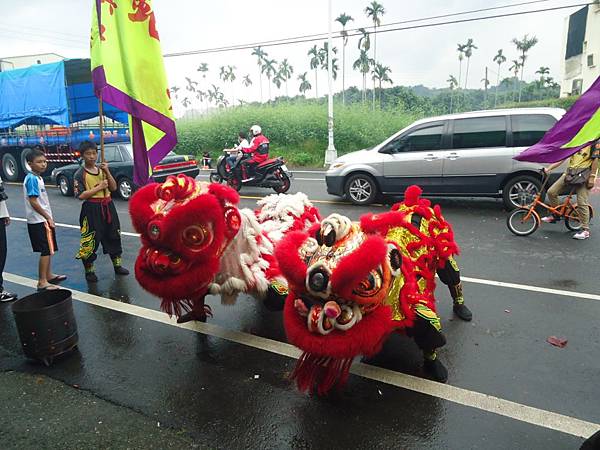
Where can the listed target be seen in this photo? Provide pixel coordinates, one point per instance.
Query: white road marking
(522, 287)
(473, 399)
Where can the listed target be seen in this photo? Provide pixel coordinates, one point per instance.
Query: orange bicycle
(526, 220)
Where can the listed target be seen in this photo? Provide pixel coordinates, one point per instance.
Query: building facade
(20, 62)
(580, 62)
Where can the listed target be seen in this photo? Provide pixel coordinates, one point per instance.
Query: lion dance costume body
(195, 242)
(347, 285)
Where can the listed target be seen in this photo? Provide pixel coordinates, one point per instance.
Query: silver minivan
(458, 155)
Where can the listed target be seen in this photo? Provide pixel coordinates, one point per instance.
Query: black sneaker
(91, 277)
(7, 296)
(120, 270)
(461, 310)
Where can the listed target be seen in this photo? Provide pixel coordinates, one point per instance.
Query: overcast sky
(426, 56)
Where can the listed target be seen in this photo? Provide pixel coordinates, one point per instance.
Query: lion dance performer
(196, 241)
(351, 284)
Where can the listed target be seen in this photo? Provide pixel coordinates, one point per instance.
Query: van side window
(427, 138)
(528, 129)
(479, 132)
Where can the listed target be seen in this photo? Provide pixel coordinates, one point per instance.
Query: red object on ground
(557, 342)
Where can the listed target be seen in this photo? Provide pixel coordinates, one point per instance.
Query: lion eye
(196, 237)
(153, 230)
(370, 285)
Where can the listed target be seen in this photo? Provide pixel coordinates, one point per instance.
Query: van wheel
(361, 189)
(10, 168)
(520, 191)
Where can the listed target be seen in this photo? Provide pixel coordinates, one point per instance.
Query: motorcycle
(272, 173)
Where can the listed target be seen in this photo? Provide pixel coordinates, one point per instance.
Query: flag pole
(101, 113)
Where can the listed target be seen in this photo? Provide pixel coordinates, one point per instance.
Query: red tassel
(320, 374)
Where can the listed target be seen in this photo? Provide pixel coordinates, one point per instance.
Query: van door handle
(453, 156)
(431, 157)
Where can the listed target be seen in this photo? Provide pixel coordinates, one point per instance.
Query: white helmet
(256, 130)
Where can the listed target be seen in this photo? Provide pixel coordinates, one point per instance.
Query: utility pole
(330, 153)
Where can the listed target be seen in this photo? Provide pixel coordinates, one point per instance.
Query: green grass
(297, 131)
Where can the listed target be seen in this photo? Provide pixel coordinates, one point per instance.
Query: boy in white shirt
(40, 223)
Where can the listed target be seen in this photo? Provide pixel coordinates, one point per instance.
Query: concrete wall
(577, 67)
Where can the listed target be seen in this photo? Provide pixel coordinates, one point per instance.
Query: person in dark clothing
(5, 296)
(98, 219)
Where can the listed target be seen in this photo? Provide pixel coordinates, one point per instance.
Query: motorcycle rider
(259, 149)
(236, 151)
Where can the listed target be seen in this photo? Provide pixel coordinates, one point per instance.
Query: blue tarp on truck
(50, 94)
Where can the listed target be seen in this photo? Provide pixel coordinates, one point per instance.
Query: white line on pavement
(473, 399)
(523, 287)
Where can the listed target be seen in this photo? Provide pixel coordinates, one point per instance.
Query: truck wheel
(361, 189)
(520, 191)
(125, 188)
(24, 164)
(11, 168)
(64, 186)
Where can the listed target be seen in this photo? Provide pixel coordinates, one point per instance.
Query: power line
(324, 35)
(312, 38)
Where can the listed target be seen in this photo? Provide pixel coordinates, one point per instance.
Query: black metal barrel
(46, 324)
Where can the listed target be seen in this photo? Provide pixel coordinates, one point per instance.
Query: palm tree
(203, 69)
(315, 62)
(363, 65)
(486, 82)
(453, 84)
(304, 83)
(541, 72)
(260, 56)
(286, 71)
(324, 54)
(343, 19)
(375, 11)
(381, 74)
(516, 66)
(174, 90)
(468, 49)
(524, 45)
(246, 81)
(185, 102)
(269, 69)
(498, 59)
(461, 55)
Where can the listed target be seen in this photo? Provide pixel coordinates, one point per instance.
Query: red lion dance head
(185, 226)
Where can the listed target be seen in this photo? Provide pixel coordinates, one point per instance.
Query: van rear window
(528, 129)
(479, 132)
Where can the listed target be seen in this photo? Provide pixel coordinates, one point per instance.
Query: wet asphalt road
(226, 395)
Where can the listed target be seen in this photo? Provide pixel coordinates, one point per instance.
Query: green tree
(375, 11)
(269, 69)
(363, 65)
(203, 69)
(324, 54)
(315, 63)
(498, 59)
(468, 49)
(516, 66)
(260, 56)
(286, 71)
(343, 19)
(304, 83)
(380, 74)
(453, 83)
(460, 48)
(524, 45)
(246, 81)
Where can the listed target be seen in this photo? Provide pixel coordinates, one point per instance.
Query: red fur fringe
(290, 263)
(320, 374)
(356, 266)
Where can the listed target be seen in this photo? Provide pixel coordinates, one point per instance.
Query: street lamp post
(330, 153)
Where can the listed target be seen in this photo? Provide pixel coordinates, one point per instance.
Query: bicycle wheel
(520, 226)
(573, 223)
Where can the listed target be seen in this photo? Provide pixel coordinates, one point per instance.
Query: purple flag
(578, 128)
